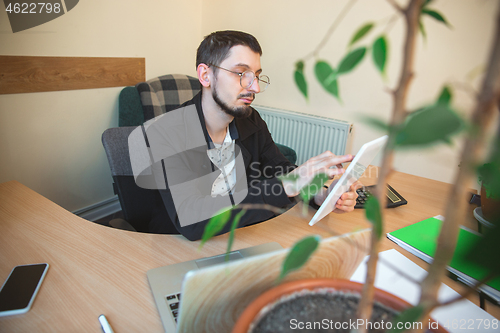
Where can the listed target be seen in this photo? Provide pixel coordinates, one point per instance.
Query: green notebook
(420, 239)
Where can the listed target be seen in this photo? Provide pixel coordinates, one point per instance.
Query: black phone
(394, 199)
(19, 290)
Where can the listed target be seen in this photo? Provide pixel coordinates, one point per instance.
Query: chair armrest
(289, 153)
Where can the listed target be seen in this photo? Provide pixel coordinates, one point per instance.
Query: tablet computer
(354, 171)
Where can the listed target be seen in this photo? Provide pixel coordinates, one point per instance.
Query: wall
(288, 30)
(51, 141)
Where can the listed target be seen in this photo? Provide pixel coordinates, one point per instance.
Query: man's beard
(236, 111)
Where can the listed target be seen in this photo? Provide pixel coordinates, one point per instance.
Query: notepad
(389, 277)
(420, 239)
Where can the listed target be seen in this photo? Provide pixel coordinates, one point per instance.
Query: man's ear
(203, 75)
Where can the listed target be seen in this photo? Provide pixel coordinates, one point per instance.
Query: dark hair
(215, 47)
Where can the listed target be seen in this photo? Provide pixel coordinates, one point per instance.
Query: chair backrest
(135, 106)
(137, 203)
(166, 93)
(162, 94)
(130, 108)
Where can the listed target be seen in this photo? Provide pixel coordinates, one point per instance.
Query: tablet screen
(353, 172)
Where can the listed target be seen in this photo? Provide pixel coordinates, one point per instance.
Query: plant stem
(391, 23)
(395, 5)
(411, 14)
(330, 31)
(473, 151)
(465, 87)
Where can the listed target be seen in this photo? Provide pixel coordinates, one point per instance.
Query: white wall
(290, 29)
(51, 141)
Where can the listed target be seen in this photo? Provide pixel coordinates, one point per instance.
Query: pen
(106, 327)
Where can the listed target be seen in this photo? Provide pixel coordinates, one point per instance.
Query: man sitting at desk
(216, 151)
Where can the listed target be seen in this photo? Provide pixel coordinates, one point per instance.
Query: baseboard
(99, 210)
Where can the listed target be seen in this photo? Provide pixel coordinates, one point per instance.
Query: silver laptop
(214, 293)
(166, 282)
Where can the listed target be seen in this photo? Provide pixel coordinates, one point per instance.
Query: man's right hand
(327, 163)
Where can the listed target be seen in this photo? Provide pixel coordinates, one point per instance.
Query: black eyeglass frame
(268, 82)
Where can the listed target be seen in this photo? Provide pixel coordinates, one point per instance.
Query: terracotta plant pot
(273, 295)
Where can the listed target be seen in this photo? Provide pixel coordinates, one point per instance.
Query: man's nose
(254, 87)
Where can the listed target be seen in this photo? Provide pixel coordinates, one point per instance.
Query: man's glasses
(247, 78)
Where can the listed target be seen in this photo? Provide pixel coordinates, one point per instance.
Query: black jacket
(262, 160)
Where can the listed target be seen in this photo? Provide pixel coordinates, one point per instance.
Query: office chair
(137, 203)
(135, 106)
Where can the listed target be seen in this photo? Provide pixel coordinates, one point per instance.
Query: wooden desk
(99, 270)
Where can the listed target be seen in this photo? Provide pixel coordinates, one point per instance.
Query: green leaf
(435, 15)
(234, 225)
(351, 60)
(300, 81)
(445, 96)
(310, 190)
(422, 29)
(215, 225)
(372, 212)
(410, 316)
(361, 33)
(380, 53)
(433, 124)
(289, 177)
(327, 78)
(299, 254)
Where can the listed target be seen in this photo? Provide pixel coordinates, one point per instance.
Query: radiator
(308, 135)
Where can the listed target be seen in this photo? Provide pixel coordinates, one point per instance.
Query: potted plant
(425, 126)
(328, 304)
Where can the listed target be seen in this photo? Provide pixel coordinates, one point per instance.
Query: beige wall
(291, 29)
(51, 141)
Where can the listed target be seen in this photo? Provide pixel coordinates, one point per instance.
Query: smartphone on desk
(394, 199)
(19, 290)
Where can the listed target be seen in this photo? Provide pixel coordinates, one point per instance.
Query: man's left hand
(347, 200)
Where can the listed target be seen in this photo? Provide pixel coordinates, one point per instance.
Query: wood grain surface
(25, 74)
(99, 270)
